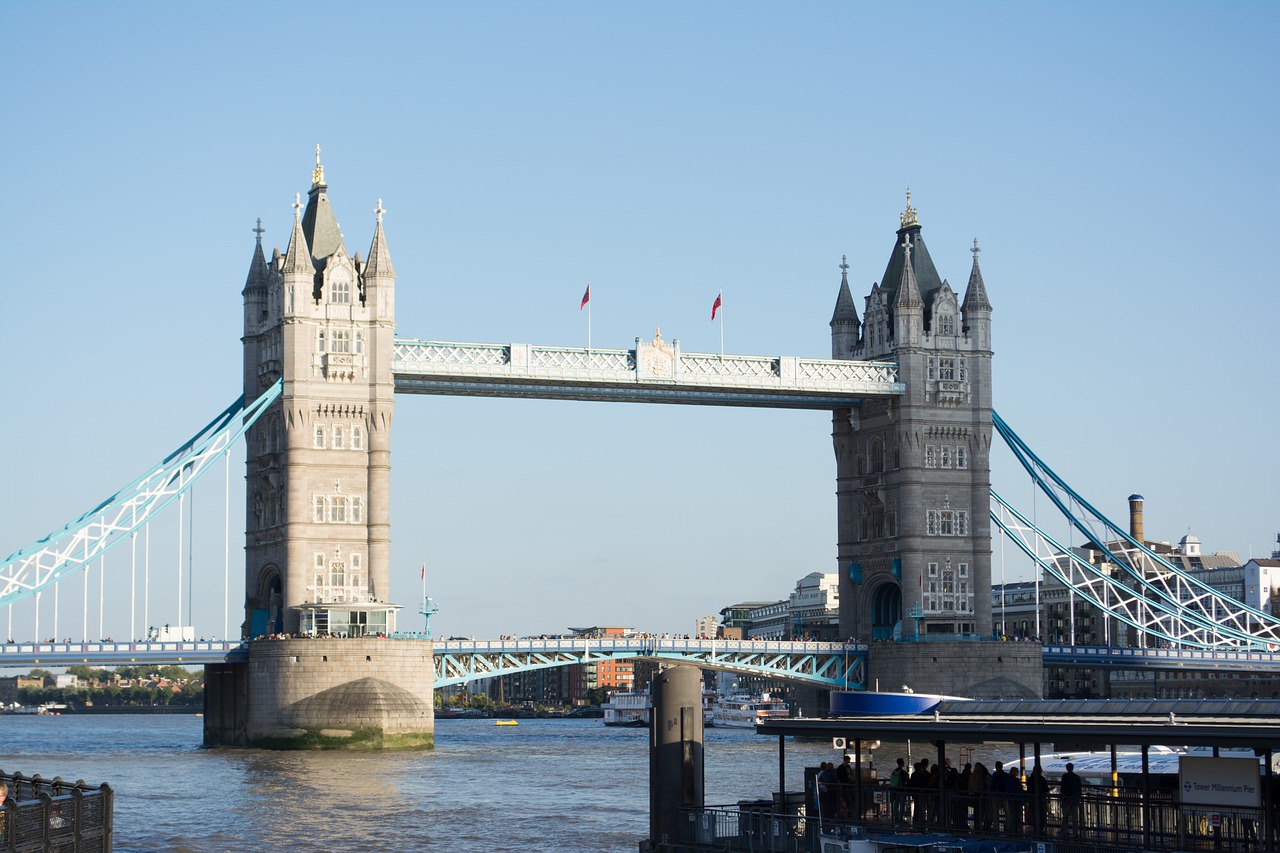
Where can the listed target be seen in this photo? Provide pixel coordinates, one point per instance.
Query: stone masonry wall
(977, 670)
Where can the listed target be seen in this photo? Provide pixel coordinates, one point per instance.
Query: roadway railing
(1107, 656)
(112, 653)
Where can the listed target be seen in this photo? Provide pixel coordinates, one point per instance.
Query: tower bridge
(909, 386)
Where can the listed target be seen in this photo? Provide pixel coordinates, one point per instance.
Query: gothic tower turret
(913, 475)
(844, 320)
(318, 469)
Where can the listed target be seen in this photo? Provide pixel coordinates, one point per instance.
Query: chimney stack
(1135, 517)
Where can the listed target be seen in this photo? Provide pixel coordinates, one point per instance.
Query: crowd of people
(974, 798)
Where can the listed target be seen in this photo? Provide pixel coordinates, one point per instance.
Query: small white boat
(747, 711)
(632, 709)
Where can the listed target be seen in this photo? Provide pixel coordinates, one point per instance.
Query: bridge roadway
(459, 661)
(653, 372)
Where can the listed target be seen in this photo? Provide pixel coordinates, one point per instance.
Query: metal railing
(49, 815)
(1103, 820)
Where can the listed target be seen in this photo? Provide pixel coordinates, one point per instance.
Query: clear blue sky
(1116, 161)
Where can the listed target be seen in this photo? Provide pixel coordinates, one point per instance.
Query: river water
(539, 787)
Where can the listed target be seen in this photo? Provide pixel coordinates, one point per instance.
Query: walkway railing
(52, 815)
(1100, 821)
(656, 372)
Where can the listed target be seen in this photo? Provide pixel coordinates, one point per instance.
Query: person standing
(897, 795)
(1038, 791)
(999, 785)
(846, 776)
(1071, 790)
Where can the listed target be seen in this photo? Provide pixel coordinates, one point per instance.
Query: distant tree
(41, 673)
(597, 696)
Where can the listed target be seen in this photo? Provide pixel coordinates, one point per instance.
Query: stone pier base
(368, 693)
(976, 670)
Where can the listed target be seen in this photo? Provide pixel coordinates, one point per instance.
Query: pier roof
(1221, 723)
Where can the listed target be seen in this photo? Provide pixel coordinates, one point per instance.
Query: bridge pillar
(913, 472)
(317, 479)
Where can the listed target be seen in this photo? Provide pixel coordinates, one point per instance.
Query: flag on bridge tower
(715, 306)
(586, 297)
(424, 571)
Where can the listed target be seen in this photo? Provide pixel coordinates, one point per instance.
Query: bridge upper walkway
(651, 373)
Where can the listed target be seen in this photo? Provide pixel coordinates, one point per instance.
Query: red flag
(715, 306)
(586, 297)
(424, 571)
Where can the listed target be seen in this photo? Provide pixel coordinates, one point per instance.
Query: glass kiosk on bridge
(347, 618)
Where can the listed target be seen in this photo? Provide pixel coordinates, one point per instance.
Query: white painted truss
(824, 664)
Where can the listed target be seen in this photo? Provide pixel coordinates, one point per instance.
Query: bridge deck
(651, 373)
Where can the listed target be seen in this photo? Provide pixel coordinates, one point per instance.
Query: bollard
(675, 751)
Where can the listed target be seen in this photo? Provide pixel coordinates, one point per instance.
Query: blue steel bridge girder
(832, 665)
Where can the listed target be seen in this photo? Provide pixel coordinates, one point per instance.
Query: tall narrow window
(318, 509)
(357, 510)
(337, 574)
(319, 340)
(357, 437)
(319, 439)
(962, 456)
(359, 341)
(340, 289)
(339, 438)
(338, 510)
(930, 456)
(944, 454)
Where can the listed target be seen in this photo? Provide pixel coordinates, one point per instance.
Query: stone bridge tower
(319, 462)
(913, 478)
(913, 472)
(317, 532)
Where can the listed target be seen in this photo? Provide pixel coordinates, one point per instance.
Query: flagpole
(721, 297)
(588, 316)
(426, 617)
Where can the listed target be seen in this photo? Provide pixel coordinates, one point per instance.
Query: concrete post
(675, 751)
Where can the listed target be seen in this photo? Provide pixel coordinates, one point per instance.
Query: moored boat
(746, 711)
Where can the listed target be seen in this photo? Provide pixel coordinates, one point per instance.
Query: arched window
(876, 452)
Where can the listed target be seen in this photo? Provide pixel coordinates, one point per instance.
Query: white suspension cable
(146, 582)
(133, 584)
(182, 499)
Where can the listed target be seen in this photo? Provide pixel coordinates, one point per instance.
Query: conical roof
(318, 223)
(257, 279)
(975, 295)
(908, 292)
(846, 312)
(297, 259)
(379, 257)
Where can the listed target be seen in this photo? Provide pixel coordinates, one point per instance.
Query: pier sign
(1219, 781)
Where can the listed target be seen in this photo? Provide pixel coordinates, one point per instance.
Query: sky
(1116, 162)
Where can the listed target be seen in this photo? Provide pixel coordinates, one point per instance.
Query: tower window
(341, 341)
(357, 438)
(318, 443)
(338, 510)
(962, 456)
(318, 507)
(340, 290)
(319, 340)
(947, 369)
(944, 454)
(339, 438)
(357, 511)
(947, 324)
(930, 456)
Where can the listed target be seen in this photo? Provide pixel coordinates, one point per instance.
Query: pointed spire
(975, 295)
(317, 174)
(297, 258)
(846, 312)
(908, 290)
(257, 280)
(379, 257)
